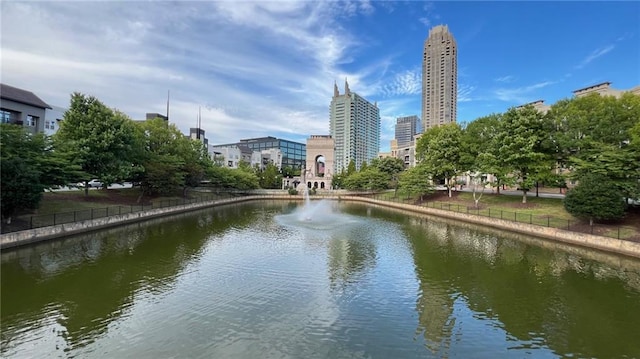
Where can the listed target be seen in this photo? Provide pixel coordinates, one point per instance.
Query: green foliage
(596, 198)
(163, 160)
(439, 150)
(337, 181)
(371, 179)
(416, 181)
(523, 146)
(99, 138)
(229, 178)
(599, 135)
(21, 173)
(245, 166)
(288, 172)
(293, 191)
(481, 149)
(364, 166)
(270, 177)
(389, 165)
(351, 168)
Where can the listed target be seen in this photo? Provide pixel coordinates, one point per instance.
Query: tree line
(95, 141)
(592, 141)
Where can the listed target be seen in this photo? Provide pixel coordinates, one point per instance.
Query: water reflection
(235, 282)
(93, 278)
(541, 298)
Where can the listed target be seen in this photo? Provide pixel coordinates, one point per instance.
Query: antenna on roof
(168, 92)
(199, 121)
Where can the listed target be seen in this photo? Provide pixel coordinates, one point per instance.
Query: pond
(322, 280)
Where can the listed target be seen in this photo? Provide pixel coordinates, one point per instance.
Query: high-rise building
(355, 128)
(439, 78)
(406, 128)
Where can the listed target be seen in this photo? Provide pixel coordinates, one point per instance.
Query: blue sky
(268, 68)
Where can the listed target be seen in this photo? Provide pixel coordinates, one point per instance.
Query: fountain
(319, 214)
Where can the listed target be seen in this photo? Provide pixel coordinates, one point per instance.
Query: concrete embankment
(612, 245)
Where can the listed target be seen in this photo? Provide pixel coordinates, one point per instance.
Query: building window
(8, 116)
(32, 121)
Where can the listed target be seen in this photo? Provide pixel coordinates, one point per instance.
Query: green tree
(523, 141)
(595, 134)
(163, 158)
(337, 181)
(364, 166)
(270, 177)
(439, 149)
(29, 164)
(372, 179)
(196, 161)
(19, 158)
(416, 181)
(99, 139)
(595, 198)
(481, 150)
(351, 168)
(391, 166)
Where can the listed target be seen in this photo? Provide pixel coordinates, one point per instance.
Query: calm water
(246, 281)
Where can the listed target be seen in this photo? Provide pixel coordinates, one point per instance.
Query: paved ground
(113, 186)
(531, 193)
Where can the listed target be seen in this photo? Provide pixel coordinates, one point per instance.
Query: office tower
(439, 78)
(355, 127)
(406, 128)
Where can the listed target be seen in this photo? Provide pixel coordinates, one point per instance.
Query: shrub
(596, 198)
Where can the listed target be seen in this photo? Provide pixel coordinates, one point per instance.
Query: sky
(258, 68)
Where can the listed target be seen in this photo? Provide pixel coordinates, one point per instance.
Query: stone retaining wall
(613, 245)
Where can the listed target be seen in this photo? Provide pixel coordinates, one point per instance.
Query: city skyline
(266, 69)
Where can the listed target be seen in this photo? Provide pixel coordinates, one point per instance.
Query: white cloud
(594, 55)
(256, 68)
(520, 94)
(405, 83)
(505, 79)
(464, 92)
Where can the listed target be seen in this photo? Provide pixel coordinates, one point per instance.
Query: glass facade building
(294, 154)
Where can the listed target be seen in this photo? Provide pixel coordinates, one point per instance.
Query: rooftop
(22, 96)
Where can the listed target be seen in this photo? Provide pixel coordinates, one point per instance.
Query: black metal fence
(21, 223)
(612, 231)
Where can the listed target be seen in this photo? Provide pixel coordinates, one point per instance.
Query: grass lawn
(75, 200)
(547, 212)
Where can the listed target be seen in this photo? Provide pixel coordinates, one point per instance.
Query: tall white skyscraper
(439, 78)
(355, 127)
